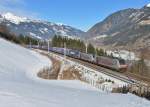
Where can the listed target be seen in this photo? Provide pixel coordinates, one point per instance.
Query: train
(104, 61)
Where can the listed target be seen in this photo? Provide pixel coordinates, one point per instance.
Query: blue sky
(81, 14)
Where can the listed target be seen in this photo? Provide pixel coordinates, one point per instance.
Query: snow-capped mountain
(37, 28)
(148, 5)
(14, 19)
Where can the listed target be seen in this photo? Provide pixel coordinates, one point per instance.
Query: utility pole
(38, 44)
(95, 52)
(130, 55)
(48, 46)
(30, 44)
(64, 51)
(86, 46)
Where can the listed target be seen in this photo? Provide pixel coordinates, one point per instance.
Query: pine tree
(58, 41)
(91, 49)
(100, 52)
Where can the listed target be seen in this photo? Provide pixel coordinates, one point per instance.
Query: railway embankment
(75, 71)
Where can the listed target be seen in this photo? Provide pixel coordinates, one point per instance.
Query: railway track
(103, 70)
(138, 88)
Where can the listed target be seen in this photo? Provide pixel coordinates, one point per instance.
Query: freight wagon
(111, 63)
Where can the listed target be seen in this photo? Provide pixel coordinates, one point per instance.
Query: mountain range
(125, 29)
(37, 28)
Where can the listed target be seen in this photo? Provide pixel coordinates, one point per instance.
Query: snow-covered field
(20, 87)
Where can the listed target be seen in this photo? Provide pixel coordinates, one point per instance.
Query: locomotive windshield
(122, 61)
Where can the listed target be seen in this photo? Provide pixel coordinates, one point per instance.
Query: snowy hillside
(20, 87)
